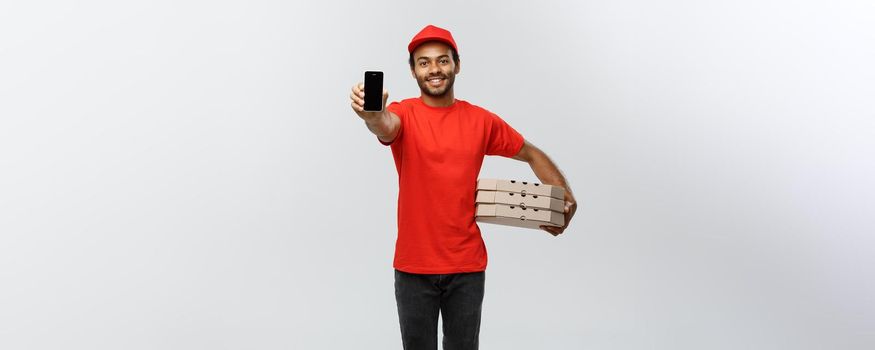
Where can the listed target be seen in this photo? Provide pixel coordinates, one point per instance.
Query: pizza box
(512, 215)
(517, 199)
(521, 187)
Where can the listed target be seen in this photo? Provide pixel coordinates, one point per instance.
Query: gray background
(189, 175)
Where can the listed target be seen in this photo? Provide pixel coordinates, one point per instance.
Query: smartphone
(373, 91)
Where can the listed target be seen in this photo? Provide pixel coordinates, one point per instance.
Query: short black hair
(455, 57)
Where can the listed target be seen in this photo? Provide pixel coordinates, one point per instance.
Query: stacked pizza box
(519, 204)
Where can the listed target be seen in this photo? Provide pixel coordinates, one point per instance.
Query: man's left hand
(570, 208)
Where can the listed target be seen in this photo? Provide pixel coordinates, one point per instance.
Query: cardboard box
(502, 214)
(521, 200)
(521, 187)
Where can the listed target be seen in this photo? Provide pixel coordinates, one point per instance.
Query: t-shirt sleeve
(503, 139)
(396, 108)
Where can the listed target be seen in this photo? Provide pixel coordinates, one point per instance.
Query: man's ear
(458, 67)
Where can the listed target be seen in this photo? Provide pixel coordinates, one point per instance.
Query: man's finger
(552, 230)
(356, 99)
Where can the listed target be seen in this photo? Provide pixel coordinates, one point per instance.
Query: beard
(438, 91)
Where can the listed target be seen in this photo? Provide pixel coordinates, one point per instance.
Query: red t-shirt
(438, 153)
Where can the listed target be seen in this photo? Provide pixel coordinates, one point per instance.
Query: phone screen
(373, 91)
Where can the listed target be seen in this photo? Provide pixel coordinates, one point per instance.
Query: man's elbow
(526, 153)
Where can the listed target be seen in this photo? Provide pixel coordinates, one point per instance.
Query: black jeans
(458, 297)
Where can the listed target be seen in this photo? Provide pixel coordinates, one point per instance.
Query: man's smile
(436, 81)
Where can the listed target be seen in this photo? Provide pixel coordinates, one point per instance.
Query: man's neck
(446, 100)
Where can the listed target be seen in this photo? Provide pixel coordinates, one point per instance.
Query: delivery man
(438, 143)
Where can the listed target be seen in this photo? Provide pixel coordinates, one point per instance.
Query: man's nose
(433, 68)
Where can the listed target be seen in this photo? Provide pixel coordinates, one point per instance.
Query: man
(438, 143)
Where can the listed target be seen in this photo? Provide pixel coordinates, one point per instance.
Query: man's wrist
(378, 125)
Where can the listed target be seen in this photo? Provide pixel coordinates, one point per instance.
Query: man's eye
(445, 61)
(422, 64)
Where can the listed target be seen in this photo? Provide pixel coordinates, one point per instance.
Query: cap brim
(414, 44)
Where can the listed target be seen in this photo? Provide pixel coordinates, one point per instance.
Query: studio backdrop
(190, 175)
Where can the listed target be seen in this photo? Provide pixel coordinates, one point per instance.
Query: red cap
(430, 33)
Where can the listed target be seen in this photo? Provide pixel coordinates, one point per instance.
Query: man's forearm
(381, 126)
(547, 171)
(549, 174)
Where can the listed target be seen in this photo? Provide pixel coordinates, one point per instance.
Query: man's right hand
(358, 103)
(382, 123)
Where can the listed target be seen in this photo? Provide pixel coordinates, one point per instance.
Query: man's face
(434, 68)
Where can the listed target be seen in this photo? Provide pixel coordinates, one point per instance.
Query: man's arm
(384, 124)
(385, 127)
(549, 174)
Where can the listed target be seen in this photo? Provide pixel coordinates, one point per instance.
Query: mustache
(436, 76)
